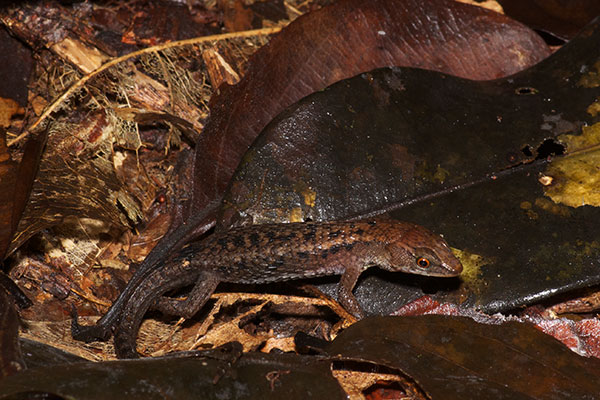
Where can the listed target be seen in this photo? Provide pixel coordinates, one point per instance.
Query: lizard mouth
(453, 269)
(445, 270)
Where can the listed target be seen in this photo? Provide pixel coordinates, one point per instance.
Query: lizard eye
(423, 262)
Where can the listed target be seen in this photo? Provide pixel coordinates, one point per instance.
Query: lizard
(281, 252)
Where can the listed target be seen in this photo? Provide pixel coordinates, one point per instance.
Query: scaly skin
(281, 252)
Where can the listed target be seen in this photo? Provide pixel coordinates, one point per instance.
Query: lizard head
(417, 250)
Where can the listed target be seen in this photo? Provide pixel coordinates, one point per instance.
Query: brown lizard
(280, 252)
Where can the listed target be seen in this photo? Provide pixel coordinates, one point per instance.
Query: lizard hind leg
(157, 283)
(196, 298)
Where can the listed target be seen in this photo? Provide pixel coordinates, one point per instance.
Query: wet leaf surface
(457, 358)
(445, 152)
(527, 253)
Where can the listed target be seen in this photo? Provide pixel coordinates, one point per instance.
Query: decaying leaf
(573, 181)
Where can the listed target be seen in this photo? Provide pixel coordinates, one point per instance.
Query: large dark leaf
(255, 376)
(398, 137)
(457, 358)
(40, 355)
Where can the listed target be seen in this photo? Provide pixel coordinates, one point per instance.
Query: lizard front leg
(347, 282)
